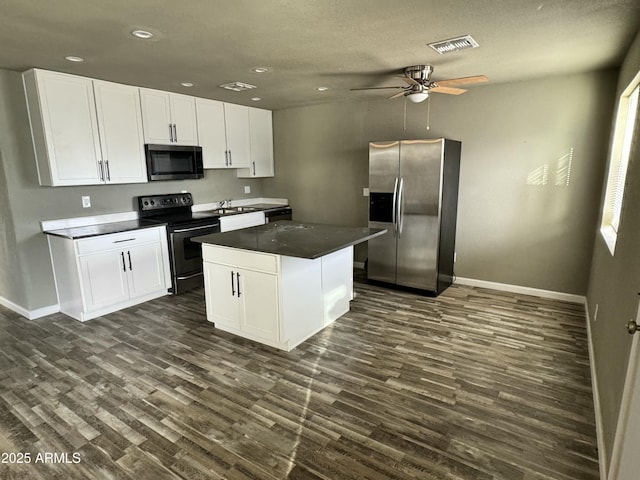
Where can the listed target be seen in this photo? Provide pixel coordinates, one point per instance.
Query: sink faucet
(224, 203)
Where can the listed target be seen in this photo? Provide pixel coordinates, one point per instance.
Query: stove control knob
(146, 203)
(152, 202)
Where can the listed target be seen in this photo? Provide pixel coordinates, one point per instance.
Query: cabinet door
(259, 300)
(211, 133)
(261, 142)
(156, 116)
(223, 307)
(183, 117)
(146, 271)
(69, 127)
(104, 280)
(236, 119)
(121, 137)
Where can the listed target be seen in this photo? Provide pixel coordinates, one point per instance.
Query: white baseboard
(567, 297)
(602, 454)
(29, 314)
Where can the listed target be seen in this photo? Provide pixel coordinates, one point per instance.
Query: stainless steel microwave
(173, 162)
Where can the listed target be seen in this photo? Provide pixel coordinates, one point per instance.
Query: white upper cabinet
(84, 131)
(223, 131)
(211, 133)
(236, 118)
(168, 118)
(64, 127)
(261, 144)
(120, 128)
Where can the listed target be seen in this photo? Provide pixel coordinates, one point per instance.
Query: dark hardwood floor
(475, 384)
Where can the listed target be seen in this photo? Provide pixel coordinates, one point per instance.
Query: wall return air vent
(454, 44)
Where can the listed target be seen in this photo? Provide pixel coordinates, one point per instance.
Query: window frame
(627, 119)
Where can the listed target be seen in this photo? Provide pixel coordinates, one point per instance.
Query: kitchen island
(280, 283)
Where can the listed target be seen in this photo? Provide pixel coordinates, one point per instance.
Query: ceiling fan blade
(447, 90)
(373, 88)
(408, 80)
(462, 81)
(396, 95)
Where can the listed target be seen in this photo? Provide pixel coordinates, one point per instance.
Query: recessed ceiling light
(322, 89)
(142, 34)
(186, 84)
(256, 99)
(73, 58)
(260, 69)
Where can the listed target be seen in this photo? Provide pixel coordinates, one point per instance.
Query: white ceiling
(339, 44)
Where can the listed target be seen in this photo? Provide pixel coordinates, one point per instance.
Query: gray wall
(513, 227)
(615, 281)
(25, 254)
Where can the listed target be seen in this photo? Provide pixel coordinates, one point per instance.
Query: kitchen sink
(231, 210)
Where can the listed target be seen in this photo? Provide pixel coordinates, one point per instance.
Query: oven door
(186, 256)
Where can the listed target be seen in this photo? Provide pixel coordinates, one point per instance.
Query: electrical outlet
(247, 189)
(365, 192)
(86, 201)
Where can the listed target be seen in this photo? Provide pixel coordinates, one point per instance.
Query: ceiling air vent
(238, 86)
(454, 44)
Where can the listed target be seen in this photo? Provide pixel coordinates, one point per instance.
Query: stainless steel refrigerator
(413, 193)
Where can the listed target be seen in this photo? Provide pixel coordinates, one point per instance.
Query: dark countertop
(75, 233)
(293, 239)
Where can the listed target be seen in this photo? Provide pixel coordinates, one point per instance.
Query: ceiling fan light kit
(418, 97)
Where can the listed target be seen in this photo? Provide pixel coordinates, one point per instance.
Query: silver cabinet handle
(101, 167)
(124, 267)
(254, 168)
(238, 282)
(124, 240)
(233, 287)
(170, 134)
(108, 171)
(230, 158)
(175, 133)
(226, 158)
(129, 255)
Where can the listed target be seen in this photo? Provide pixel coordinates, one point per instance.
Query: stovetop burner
(174, 209)
(178, 219)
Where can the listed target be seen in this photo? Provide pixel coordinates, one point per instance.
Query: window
(619, 161)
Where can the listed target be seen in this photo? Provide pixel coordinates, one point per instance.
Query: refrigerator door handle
(394, 208)
(400, 209)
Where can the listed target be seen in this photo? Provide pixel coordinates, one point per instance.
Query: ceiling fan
(419, 84)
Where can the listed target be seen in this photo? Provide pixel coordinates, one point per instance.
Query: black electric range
(175, 211)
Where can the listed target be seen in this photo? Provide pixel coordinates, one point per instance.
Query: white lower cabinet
(243, 300)
(276, 300)
(102, 274)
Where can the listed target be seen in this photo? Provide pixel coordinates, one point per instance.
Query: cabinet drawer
(237, 258)
(112, 241)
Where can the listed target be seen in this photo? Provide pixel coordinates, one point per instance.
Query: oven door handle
(181, 230)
